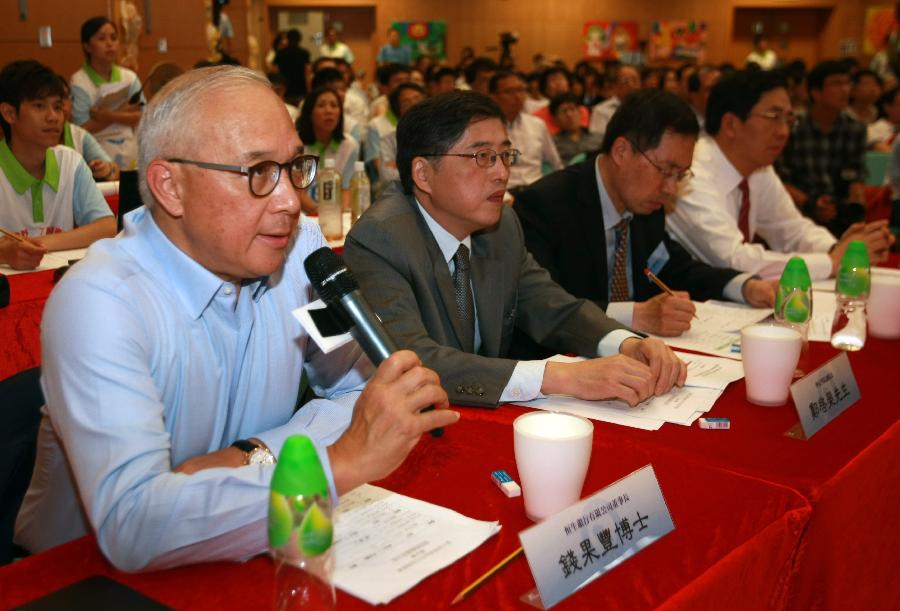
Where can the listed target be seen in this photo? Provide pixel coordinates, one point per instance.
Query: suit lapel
(488, 277)
(591, 213)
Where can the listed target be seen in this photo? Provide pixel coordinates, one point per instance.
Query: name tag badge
(823, 395)
(322, 324)
(579, 544)
(658, 258)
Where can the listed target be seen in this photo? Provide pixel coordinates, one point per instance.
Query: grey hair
(165, 126)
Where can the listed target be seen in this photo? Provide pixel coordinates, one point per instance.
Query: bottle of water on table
(794, 303)
(300, 529)
(328, 190)
(852, 291)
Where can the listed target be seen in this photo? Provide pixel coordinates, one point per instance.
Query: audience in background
(103, 168)
(572, 140)
(401, 99)
(864, 95)
(881, 134)
(332, 47)
(106, 98)
(527, 133)
(822, 164)
(555, 81)
(292, 62)
(47, 193)
(762, 55)
(625, 79)
(393, 52)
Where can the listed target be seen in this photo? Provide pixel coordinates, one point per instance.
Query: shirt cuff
(734, 290)
(609, 345)
(525, 382)
(621, 311)
(820, 265)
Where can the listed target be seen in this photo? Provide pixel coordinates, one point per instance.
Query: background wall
(818, 28)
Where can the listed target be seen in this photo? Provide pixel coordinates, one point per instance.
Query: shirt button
(516, 393)
(229, 289)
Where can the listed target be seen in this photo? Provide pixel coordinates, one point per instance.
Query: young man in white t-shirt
(47, 193)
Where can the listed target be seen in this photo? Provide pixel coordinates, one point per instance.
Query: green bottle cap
(796, 275)
(853, 276)
(299, 470)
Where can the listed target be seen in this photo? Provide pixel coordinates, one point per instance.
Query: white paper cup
(770, 354)
(553, 451)
(884, 304)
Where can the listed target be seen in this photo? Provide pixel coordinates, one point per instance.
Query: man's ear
(8, 112)
(422, 172)
(730, 124)
(162, 180)
(621, 150)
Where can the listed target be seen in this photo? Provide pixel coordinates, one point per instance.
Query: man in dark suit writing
(444, 265)
(597, 225)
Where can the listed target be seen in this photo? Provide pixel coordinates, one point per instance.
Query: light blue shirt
(150, 359)
(527, 376)
(398, 55)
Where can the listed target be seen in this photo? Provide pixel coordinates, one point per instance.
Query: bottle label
(299, 526)
(853, 281)
(328, 190)
(793, 305)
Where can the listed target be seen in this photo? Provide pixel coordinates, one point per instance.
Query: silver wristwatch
(254, 453)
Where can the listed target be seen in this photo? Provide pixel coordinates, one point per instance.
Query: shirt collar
(391, 117)
(611, 216)
(724, 173)
(195, 285)
(115, 75)
(19, 177)
(446, 241)
(67, 135)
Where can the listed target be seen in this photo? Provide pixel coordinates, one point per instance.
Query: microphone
(335, 284)
(338, 288)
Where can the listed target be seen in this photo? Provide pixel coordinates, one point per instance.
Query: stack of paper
(707, 378)
(386, 543)
(717, 329)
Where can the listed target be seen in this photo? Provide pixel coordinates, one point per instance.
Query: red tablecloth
(733, 544)
(20, 322)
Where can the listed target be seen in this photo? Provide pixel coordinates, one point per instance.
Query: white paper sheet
(52, 260)
(710, 371)
(717, 328)
(386, 543)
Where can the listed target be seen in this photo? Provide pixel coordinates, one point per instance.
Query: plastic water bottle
(300, 529)
(794, 303)
(852, 291)
(328, 188)
(360, 191)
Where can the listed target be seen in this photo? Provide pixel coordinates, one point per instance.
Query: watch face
(261, 456)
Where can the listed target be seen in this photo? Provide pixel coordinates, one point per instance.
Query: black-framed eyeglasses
(485, 158)
(675, 174)
(263, 177)
(788, 118)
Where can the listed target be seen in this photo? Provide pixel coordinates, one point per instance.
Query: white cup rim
(517, 427)
(771, 332)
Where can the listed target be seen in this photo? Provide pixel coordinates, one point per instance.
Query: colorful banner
(609, 39)
(677, 39)
(427, 38)
(879, 24)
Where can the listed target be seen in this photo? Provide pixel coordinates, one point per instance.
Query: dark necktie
(744, 216)
(619, 290)
(465, 305)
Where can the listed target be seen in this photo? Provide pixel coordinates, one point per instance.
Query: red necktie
(744, 216)
(619, 291)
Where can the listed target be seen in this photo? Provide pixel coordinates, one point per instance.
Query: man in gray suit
(411, 255)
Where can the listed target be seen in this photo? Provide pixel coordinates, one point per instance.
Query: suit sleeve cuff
(734, 290)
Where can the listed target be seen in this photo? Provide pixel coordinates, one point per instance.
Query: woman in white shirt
(106, 98)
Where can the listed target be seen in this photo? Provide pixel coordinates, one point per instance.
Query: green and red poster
(428, 38)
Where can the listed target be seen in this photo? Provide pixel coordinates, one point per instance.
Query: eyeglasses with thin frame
(485, 158)
(678, 176)
(263, 177)
(775, 116)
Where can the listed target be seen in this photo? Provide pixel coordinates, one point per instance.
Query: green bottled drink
(852, 291)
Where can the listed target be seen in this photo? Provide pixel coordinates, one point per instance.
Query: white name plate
(584, 541)
(824, 394)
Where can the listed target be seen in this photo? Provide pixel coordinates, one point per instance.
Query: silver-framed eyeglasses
(485, 158)
(263, 177)
(775, 116)
(675, 174)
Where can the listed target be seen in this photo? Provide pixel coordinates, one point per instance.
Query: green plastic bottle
(852, 291)
(301, 531)
(794, 305)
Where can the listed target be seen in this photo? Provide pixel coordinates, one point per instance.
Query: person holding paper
(736, 195)
(598, 225)
(172, 363)
(48, 199)
(107, 98)
(444, 265)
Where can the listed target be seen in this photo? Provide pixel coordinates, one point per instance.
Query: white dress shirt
(527, 376)
(602, 113)
(529, 135)
(705, 220)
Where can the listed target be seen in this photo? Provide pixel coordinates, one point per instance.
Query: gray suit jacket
(403, 275)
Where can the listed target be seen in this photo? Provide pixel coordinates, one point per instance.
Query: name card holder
(822, 396)
(568, 550)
